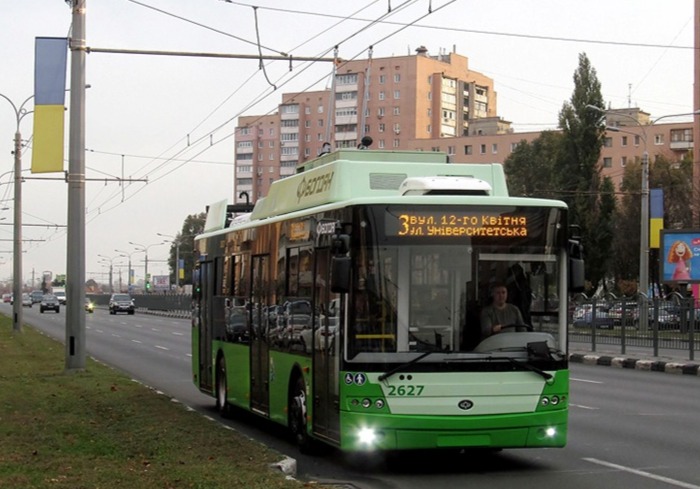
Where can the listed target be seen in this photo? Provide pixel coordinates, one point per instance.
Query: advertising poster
(679, 256)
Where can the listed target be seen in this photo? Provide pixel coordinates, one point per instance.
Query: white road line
(642, 473)
(584, 407)
(138, 326)
(586, 380)
(137, 341)
(162, 348)
(156, 330)
(177, 334)
(188, 355)
(116, 335)
(99, 331)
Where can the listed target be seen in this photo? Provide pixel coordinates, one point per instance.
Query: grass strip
(99, 429)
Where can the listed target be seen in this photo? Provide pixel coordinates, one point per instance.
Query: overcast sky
(143, 110)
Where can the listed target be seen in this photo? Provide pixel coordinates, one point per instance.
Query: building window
(307, 110)
(397, 110)
(429, 128)
(397, 77)
(380, 112)
(607, 162)
(624, 140)
(272, 156)
(381, 127)
(494, 148)
(320, 136)
(245, 131)
(397, 128)
(382, 79)
(307, 152)
(381, 143)
(482, 149)
(272, 144)
(450, 150)
(381, 95)
(320, 109)
(307, 138)
(658, 139)
(307, 124)
(320, 123)
(468, 149)
(636, 140)
(430, 112)
(607, 142)
(245, 144)
(623, 161)
(397, 143)
(397, 94)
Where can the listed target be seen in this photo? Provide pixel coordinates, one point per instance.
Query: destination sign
(451, 224)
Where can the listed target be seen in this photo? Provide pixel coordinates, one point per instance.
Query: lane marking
(642, 473)
(584, 407)
(177, 334)
(99, 331)
(116, 335)
(587, 381)
(137, 341)
(156, 330)
(162, 348)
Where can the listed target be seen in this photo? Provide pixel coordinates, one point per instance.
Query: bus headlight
(550, 432)
(367, 436)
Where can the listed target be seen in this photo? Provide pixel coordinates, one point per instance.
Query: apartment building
(393, 100)
(417, 102)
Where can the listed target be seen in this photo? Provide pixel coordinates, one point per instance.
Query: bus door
(205, 285)
(259, 345)
(326, 351)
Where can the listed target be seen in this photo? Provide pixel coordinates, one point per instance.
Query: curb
(669, 367)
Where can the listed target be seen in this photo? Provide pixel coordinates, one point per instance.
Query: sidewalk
(673, 362)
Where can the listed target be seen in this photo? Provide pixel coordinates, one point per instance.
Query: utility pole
(75, 274)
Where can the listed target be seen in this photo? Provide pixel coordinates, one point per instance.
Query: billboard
(679, 256)
(161, 281)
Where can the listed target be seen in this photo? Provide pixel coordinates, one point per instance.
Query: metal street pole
(17, 282)
(128, 280)
(177, 241)
(75, 263)
(144, 249)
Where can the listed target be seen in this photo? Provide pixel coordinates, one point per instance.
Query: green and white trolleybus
(346, 306)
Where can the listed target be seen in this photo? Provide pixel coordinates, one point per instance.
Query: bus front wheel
(221, 387)
(297, 414)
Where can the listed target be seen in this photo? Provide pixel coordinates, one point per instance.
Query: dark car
(121, 303)
(36, 296)
(49, 302)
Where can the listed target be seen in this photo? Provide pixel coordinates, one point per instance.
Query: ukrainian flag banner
(656, 216)
(50, 56)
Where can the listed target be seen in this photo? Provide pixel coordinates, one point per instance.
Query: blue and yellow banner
(656, 216)
(50, 57)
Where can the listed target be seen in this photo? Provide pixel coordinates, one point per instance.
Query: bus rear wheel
(297, 415)
(222, 404)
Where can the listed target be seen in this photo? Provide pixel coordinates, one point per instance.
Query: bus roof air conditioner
(445, 186)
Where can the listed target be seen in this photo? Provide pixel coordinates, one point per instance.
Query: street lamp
(111, 268)
(20, 112)
(127, 254)
(177, 241)
(644, 224)
(144, 249)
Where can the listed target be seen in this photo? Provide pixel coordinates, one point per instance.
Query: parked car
(49, 302)
(27, 300)
(584, 317)
(7, 297)
(89, 305)
(121, 303)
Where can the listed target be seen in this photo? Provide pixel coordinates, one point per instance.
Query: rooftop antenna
(629, 95)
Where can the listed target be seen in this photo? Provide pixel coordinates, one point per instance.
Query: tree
(193, 225)
(537, 159)
(590, 198)
(675, 179)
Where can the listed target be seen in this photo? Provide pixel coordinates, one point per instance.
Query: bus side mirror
(340, 274)
(577, 280)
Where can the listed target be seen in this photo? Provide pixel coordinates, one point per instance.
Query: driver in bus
(500, 313)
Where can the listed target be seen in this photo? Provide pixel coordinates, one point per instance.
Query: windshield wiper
(527, 366)
(403, 366)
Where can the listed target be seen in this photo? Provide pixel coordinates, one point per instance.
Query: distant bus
(346, 306)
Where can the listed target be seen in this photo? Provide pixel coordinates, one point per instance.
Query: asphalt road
(628, 428)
